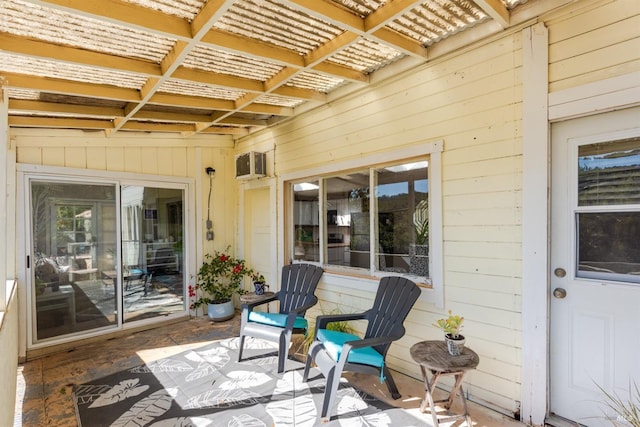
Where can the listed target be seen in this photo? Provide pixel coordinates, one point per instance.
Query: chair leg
(391, 384)
(283, 351)
(330, 391)
(311, 355)
(240, 347)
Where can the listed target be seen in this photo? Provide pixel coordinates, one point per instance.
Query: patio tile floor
(45, 385)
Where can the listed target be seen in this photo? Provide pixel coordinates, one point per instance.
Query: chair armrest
(323, 320)
(305, 307)
(370, 342)
(251, 305)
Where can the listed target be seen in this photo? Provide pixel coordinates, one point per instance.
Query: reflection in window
(347, 211)
(403, 219)
(306, 222)
(609, 173)
(608, 229)
(608, 245)
(152, 251)
(397, 208)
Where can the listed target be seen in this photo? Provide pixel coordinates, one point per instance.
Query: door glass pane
(609, 173)
(608, 234)
(608, 245)
(306, 222)
(152, 255)
(74, 242)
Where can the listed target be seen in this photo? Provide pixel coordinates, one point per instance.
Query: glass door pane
(74, 242)
(152, 255)
(608, 214)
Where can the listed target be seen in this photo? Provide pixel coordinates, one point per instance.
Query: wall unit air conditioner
(251, 165)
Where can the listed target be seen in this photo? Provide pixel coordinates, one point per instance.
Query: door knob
(559, 293)
(560, 272)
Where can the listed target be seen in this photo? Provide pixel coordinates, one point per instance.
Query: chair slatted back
(394, 299)
(298, 286)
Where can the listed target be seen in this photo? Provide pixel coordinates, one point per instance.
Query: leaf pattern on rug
(261, 361)
(223, 399)
(163, 365)
(209, 361)
(246, 420)
(184, 422)
(289, 385)
(283, 401)
(145, 410)
(85, 394)
(349, 400)
(244, 379)
(298, 412)
(119, 392)
(249, 343)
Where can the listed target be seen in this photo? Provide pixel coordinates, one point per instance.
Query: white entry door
(259, 235)
(595, 265)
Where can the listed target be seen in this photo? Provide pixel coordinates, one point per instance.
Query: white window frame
(433, 291)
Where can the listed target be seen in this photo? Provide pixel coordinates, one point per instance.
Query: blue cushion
(333, 341)
(276, 319)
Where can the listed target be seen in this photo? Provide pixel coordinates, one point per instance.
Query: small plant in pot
(218, 280)
(452, 326)
(259, 283)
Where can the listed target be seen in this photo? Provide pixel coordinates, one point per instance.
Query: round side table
(434, 357)
(251, 297)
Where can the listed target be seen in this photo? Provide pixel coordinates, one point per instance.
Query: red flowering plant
(219, 278)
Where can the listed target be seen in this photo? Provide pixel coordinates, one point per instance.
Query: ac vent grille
(251, 165)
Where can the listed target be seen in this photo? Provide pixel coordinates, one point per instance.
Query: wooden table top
(252, 297)
(435, 356)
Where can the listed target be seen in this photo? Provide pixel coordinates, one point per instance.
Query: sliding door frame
(25, 174)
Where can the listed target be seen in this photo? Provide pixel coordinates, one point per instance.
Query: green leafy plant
(421, 222)
(257, 278)
(342, 326)
(627, 411)
(451, 325)
(219, 278)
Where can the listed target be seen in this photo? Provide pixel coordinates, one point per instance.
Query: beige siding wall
(473, 102)
(158, 155)
(594, 40)
(470, 100)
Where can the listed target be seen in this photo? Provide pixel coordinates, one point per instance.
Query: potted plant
(419, 252)
(259, 283)
(219, 278)
(452, 326)
(626, 410)
(306, 340)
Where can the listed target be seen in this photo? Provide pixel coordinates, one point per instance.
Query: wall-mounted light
(210, 171)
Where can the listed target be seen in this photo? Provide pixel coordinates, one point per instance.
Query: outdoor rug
(206, 386)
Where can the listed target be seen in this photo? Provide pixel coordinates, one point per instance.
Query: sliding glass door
(152, 256)
(74, 242)
(103, 255)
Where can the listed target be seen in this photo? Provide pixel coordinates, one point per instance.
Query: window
(343, 216)
(607, 216)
